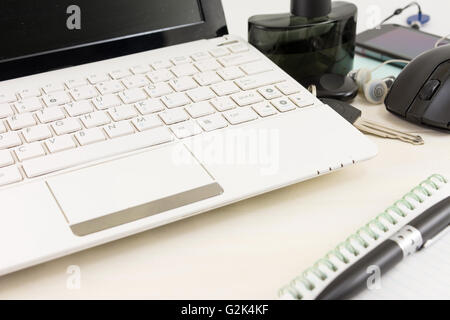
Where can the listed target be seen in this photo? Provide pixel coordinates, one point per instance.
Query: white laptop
(117, 117)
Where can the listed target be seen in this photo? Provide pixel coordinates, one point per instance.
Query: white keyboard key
(184, 70)
(147, 122)
(136, 81)
(199, 56)
(283, 104)
(10, 175)
(29, 151)
(225, 88)
(6, 158)
(28, 105)
(123, 112)
(2, 127)
(149, 106)
(7, 96)
(78, 108)
(161, 64)
(67, 159)
(219, 52)
(51, 114)
(247, 97)
(174, 116)
(207, 78)
(29, 92)
(118, 129)
(175, 100)
(158, 90)
(141, 69)
(132, 95)
(207, 65)
(212, 122)
(181, 60)
(231, 73)
(223, 103)
(107, 101)
(238, 59)
(201, 94)
(186, 129)
(200, 109)
(88, 136)
(36, 133)
(302, 99)
(61, 143)
(240, 115)
(289, 87)
(9, 140)
(237, 48)
(259, 80)
(73, 83)
(53, 87)
(95, 119)
(183, 84)
(65, 126)
(84, 92)
(256, 67)
(120, 73)
(6, 110)
(264, 109)
(20, 121)
(95, 78)
(270, 92)
(56, 99)
(108, 87)
(160, 75)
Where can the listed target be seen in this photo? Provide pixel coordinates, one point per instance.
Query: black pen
(417, 234)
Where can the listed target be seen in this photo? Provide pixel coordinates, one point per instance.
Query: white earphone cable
(439, 42)
(389, 62)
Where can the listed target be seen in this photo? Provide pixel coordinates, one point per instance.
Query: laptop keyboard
(56, 126)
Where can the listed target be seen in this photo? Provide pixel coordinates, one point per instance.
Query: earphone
(375, 90)
(415, 21)
(418, 20)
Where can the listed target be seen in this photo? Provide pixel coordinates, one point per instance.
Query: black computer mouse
(421, 93)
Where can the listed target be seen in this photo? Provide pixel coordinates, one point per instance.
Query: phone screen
(403, 42)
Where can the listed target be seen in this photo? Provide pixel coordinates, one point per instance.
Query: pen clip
(437, 237)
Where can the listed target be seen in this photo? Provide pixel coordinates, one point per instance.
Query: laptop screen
(30, 27)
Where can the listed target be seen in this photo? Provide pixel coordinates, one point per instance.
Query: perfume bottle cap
(310, 8)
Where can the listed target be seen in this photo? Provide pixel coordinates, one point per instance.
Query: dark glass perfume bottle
(317, 37)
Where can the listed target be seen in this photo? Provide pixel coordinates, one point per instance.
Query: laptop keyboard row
(61, 125)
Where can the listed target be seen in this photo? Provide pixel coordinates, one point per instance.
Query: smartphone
(392, 41)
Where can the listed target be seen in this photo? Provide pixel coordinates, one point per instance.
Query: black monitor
(38, 36)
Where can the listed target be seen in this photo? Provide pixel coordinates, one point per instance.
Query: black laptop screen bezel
(213, 25)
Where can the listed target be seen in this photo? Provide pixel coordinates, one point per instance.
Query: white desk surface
(250, 249)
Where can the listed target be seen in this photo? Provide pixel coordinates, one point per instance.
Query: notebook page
(425, 275)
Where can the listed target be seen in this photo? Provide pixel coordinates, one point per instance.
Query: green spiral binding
(370, 230)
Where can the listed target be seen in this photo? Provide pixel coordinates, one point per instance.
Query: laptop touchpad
(113, 193)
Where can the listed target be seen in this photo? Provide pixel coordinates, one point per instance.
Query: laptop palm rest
(125, 190)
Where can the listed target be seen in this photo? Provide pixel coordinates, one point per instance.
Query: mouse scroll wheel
(429, 89)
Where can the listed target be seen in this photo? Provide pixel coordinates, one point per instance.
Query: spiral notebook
(425, 275)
